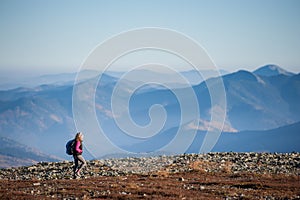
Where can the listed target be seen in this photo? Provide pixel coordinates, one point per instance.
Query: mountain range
(280, 140)
(41, 115)
(14, 154)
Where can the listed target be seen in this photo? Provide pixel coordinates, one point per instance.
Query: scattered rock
(181, 179)
(230, 162)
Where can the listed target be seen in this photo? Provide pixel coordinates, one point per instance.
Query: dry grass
(204, 166)
(165, 185)
(162, 173)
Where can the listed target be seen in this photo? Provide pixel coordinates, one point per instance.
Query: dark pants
(77, 159)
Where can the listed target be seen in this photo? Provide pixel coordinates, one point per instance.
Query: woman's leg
(75, 163)
(83, 162)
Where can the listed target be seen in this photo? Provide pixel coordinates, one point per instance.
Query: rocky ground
(190, 176)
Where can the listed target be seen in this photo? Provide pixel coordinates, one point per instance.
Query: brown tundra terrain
(188, 176)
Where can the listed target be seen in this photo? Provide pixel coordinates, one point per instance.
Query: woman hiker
(77, 155)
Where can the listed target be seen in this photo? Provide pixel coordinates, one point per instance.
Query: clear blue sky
(57, 35)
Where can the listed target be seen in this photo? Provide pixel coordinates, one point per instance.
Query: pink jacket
(78, 147)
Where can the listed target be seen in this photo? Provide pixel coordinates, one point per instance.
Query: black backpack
(70, 147)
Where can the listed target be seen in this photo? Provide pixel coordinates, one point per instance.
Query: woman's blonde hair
(77, 137)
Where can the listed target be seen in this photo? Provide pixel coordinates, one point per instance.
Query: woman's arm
(77, 147)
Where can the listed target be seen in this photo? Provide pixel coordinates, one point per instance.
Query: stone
(181, 179)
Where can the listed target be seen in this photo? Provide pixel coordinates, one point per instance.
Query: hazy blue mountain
(260, 103)
(41, 117)
(193, 76)
(196, 78)
(6, 83)
(272, 70)
(283, 139)
(253, 103)
(13, 154)
(49, 79)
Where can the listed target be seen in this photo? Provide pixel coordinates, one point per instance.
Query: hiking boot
(78, 173)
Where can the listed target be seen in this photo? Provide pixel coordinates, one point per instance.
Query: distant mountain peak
(272, 70)
(244, 75)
